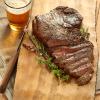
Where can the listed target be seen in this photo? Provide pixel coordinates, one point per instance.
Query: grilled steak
(56, 26)
(59, 31)
(85, 78)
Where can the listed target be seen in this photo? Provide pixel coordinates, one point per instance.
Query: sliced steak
(80, 70)
(59, 31)
(56, 42)
(73, 57)
(71, 48)
(84, 79)
(77, 64)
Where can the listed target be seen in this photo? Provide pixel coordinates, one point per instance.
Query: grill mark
(63, 55)
(76, 64)
(73, 58)
(80, 70)
(55, 42)
(70, 49)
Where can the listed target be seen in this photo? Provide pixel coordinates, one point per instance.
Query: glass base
(16, 27)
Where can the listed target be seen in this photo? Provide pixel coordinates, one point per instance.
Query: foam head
(17, 6)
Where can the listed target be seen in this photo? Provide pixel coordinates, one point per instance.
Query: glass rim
(18, 7)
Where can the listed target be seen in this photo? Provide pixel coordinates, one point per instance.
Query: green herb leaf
(65, 77)
(85, 33)
(47, 60)
(56, 72)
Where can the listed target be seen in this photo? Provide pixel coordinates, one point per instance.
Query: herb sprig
(44, 58)
(84, 33)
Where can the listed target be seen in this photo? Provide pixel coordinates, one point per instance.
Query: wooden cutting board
(33, 81)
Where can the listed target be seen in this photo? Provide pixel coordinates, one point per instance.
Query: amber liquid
(18, 21)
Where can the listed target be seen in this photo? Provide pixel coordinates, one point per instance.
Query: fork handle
(9, 70)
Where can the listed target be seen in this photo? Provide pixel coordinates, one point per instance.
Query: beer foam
(17, 6)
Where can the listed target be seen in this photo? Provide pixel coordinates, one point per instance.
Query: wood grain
(98, 41)
(34, 82)
(97, 97)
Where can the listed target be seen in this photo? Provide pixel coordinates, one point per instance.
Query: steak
(56, 26)
(85, 78)
(59, 31)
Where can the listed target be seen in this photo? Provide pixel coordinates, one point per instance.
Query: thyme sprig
(84, 33)
(44, 58)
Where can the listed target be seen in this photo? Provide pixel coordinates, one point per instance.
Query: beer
(18, 12)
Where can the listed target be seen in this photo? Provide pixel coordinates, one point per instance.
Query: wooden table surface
(41, 85)
(98, 37)
(13, 41)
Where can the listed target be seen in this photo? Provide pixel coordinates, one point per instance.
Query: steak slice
(59, 31)
(77, 64)
(71, 48)
(85, 78)
(73, 57)
(56, 42)
(78, 72)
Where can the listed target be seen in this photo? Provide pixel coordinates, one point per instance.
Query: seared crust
(59, 31)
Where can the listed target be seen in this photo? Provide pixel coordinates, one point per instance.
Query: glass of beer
(18, 12)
